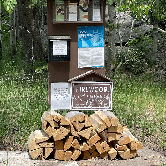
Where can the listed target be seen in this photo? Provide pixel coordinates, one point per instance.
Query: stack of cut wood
(77, 136)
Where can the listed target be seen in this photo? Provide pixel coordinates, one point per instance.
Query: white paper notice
(60, 96)
(73, 12)
(59, 47)
(96, 15)
(91, 57)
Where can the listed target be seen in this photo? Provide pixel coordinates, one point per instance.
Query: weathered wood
(75, 144)
(36, 153)
(61, 133)
(68, 155)
(93, 139)
(97, 123)
(76, 154)
(113, 136)
(36, 137)
(46, 145)
(86, 133)
(115, 129)
(112, 153)
(48, 151)
(105, 146)
(103, 117)
(99, 148)
(120, 147)
(84, 147)
(59, 145)
(86, 155)
(68, 143)
(59, 155)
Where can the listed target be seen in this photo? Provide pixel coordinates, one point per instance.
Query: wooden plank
(36, 153)
(86, 155)
(76, 154)
(68, 155)
(105, 146)
(103, 117)
(59, 145)
(86, 133)
(112, 153)
(93, 139)
(68, 143)
(59, 155)
(84, 147)
(75, 144)
(48, 151)
(61, 133)
(99, 148)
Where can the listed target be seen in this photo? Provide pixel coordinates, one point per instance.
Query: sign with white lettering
(92, 96)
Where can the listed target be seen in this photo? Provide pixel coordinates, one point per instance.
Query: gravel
(145, 157)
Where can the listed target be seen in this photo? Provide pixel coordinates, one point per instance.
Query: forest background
(138, 68)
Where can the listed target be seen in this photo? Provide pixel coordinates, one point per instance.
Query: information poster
(59, 47)
(90, 46)
(83, 10)
(96, 10)
(73, 12)
(60, 96)
(59, 13)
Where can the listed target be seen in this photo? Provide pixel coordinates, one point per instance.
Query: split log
(127, 154)
(92, 149)
(48, 151)
(84, 147)
(99, 148)
(112, 153)
(59, 145)
(68, 155)
(104, 155)
(86, 155)
(35, 154)
(59, 155)
(103, 117)
(95, 154)
(75, 144)
(86, 133)
(68, 143)
(48, 144)
(120, 147)
(76, 154)
(113, 136)
(105, 146)
(93, 139)
(97, 123)
(113, 119)
(115, 129)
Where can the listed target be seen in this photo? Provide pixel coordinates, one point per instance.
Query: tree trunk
(111, 40)
(28, 20)
(0, 35)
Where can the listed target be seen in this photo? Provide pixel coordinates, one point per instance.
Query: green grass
(138, 102)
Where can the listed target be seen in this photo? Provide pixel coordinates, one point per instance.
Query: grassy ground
(138, 102)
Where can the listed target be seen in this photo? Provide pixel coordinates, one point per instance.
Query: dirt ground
(145, 157)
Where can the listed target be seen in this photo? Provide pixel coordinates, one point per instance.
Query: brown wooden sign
(92, 95)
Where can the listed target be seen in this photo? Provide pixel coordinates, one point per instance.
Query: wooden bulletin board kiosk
(76, 39)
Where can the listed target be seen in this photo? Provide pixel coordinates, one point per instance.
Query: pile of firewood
(77, 136)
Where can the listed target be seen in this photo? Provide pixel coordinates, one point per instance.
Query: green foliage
(137, 58)
(9, 5)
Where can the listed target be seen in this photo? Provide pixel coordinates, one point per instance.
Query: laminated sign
(90, 46)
